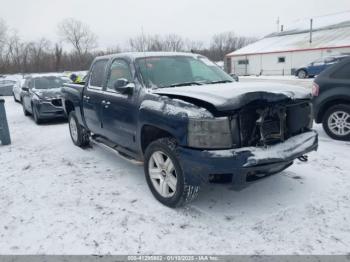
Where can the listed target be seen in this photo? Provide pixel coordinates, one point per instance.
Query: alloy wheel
(73, 129)
(162, 174)
(302, 74)
(339, 123)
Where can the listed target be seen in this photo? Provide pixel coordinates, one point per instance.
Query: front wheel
(25, 112)
(78, 133)
(302, 74)
(336, 122)
(164, 174)
(36, 116)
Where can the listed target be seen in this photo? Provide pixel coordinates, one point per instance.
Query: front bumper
(244, 163)
(47, 110)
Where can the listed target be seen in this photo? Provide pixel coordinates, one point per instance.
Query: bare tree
(3, 32)
(39, 56)
(137, 43)
(142, 43)
(78, 35)
(193, 46)
(173, 43)
(38, 52)
(227, 42)
(58, 56)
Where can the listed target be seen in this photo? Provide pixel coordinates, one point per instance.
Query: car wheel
(26, 113)
(302, 74)
(336, 122)
(164, 174)
(78, 133)
(36, 116)
(14, 98)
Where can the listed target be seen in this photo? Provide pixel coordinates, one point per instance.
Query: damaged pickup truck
(188, 121)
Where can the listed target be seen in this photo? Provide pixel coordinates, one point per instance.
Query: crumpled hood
(233, 96)
(48, 93)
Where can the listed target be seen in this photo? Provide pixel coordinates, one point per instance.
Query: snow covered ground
(56, 198)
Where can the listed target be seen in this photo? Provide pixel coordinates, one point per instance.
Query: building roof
(298, 38)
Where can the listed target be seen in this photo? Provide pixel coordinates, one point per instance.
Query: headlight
(209, 133)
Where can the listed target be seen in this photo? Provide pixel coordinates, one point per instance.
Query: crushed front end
(264, 139)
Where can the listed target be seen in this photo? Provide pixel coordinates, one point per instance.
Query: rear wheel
(78, 133)
(336, 122)
(302, 74)
(164, 174)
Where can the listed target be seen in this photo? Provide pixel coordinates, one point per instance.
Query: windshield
(48, 82)
(168, 71)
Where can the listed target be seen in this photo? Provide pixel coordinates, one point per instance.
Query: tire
(36, 116)
(302, 74)
(179, 193)
(336, 122)
(77, 133)
(14, 98)
(25, 112)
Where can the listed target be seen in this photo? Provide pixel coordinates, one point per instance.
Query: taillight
(315, 89)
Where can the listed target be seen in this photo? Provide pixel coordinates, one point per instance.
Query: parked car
(17, 90)
(188, 121)
(331, 100)
(41, 97)
(317, 66)
(6, 86)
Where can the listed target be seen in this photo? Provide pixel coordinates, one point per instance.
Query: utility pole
(311, 24)
(278, 24)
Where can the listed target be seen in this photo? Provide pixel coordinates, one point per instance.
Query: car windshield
(170, 71)
(48, 82)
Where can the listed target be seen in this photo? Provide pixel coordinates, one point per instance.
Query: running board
(115, 150)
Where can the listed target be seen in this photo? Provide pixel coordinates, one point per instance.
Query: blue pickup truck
(188, 121)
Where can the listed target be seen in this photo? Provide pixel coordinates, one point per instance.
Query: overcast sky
(114, 21)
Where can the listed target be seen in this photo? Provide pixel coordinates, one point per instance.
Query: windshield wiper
(186, 84)
(220, 82)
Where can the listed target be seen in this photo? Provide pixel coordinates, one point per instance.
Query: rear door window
(342, 73)
(97, 74)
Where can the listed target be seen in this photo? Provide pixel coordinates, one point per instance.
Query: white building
(279, 53)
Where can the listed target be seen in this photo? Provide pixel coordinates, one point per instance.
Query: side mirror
(25, 89)
(123, 86)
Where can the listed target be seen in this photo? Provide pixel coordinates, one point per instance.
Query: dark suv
(331, 101)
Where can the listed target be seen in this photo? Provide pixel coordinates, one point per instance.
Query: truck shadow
(259, 198)
(55, 121)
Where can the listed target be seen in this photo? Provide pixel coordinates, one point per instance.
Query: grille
(57, 102)
(260, 126)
